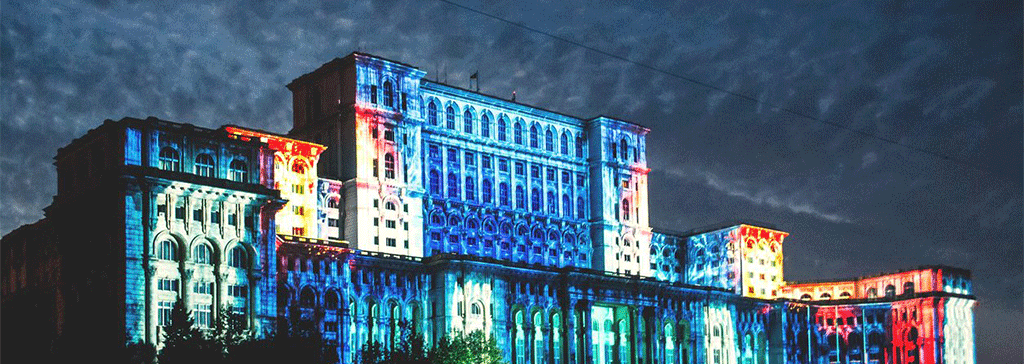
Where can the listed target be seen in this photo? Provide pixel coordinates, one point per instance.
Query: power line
(719, 89)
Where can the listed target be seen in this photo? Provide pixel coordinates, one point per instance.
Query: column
(588, 337)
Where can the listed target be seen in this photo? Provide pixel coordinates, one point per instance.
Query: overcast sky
(935, 75)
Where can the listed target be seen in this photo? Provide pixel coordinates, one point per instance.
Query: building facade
(398, 200)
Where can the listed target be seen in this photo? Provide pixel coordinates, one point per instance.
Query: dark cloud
(943, 76)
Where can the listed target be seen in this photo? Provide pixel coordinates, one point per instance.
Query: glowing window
(238, 258)
(170, 160)
(238, 171)
(204, 165)
(298, 168)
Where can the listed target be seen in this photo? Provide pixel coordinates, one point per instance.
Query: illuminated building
(395, 198)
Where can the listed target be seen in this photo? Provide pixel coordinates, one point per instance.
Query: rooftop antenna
(513, 95)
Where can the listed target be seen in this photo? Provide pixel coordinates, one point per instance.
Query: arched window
(579, 146)
(453, 185)
(805, 297)
(556, 338)
(580, 207)
(449, 118)
(485, 126)
(908, 287)
(502, 129)
(389, 94)
(826, 296)
(625, 209)
(520, 197)
(201, 254)
(307, 299)
(167, 250)
(517, 133)
(204, 165)
(566, 205)
(331, 300)
(238, 258)
(435, 182)
(470, 189)
(549, 141)
(467, 122)
(624, 146)
(564, 144)
(872, 292)
(238, 171)
(170, 160)
(432, 113)
(390, 205)
(503, 197)
(538, 338)
(298, 168)
(535, 200)
(485, 191)
(552, 203)
(534, 137)
(519, 349)
(389, 166)
(670, 344)
(890, 291)
(844, 295)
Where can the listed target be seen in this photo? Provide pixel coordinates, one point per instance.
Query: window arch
(519, 355)
(534, 143)
(204, 165)
(331, 300)
(825, 296)
(307, 299)
(520, 197)
(538, 338)
(170, 160)
(517, 133)
(890, 291)
(908, 287)
(389, 166)
(485, 126)
(564, 144)
(503, 194)
(238, 171)
(579, 146)
(580, 207)
(549, 141)
(467, 122)
(449, 117)
(485, 191)
(238, 258)
(566, 205)
(167, 250)
(453, 185)
(390, 205)
(435, 182)
(502, 129)
(298, 167)
(624, 146)
(872, 292)
(535, 200)
(389, 94)
(201, 254)
(432, 113)
(552, 203)
(805, 297)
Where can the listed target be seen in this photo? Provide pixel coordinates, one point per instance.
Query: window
(566, 206)
(520, 197)
(470, 189)
(201, 254)
(388, 205)
(517, 133)
(535, 200)
(552, 203)
(170, 160)
(237, 171)
(549, 141)
(204, 165)
(579, 180)
(470, 159)
(625, 209)
(550, 174)
(625, 148)
(375, 167)
(502, 129)
(167, 250)
(434, 152)
(485, 191)
(389, 134)
(435, 182)
(238, 291)
(485, 161)
(389, 94)
(533, 137)
(238, 258)
(373, 94)
(580, 207)
(503, 197)
(579, 146)
(566, 179)
(614, 149)
(453, 185)
(391, 242)
(298, 168)
(391, 224)
(485, 126)
(201, 315)
(389, 166)
(200, 287)
(449, 117)
(520, 169)
(164, 312)
(564, 144)
(467, 122)
(453, 156)
(432, 113)
(167, 284)
(331, 300)
(534, 171)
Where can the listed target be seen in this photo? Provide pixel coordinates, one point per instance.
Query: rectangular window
(167, 284)
(376, 221)
(566, 179)
(376, 165)
(485, 161)
(298, 231)
(405, 225)
(376, 240)
(503, 164)
(164, 312)
(201, 287)
(201, 315)
(453, 156)
(373, 94)
(470, 159)
(215, 213)
(406, 244)
(161, 206)
(197, 214)
(579, 180)
(332, 222)
(238, 291)
(389, 134)
(391, 242)
(534, 172)
(520, 169)
(435, 152)
(550, 175)
(390, 224)
(179, 209)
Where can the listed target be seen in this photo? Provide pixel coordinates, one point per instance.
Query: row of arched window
(204, 165)
(566, 144)
(548, 205)
(238, 256)
(623, 151)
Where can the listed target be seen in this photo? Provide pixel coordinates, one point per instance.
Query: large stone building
(395, 198)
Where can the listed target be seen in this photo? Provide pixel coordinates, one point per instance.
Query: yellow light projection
(761, 252)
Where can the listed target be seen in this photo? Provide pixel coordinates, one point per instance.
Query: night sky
(936, 75)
